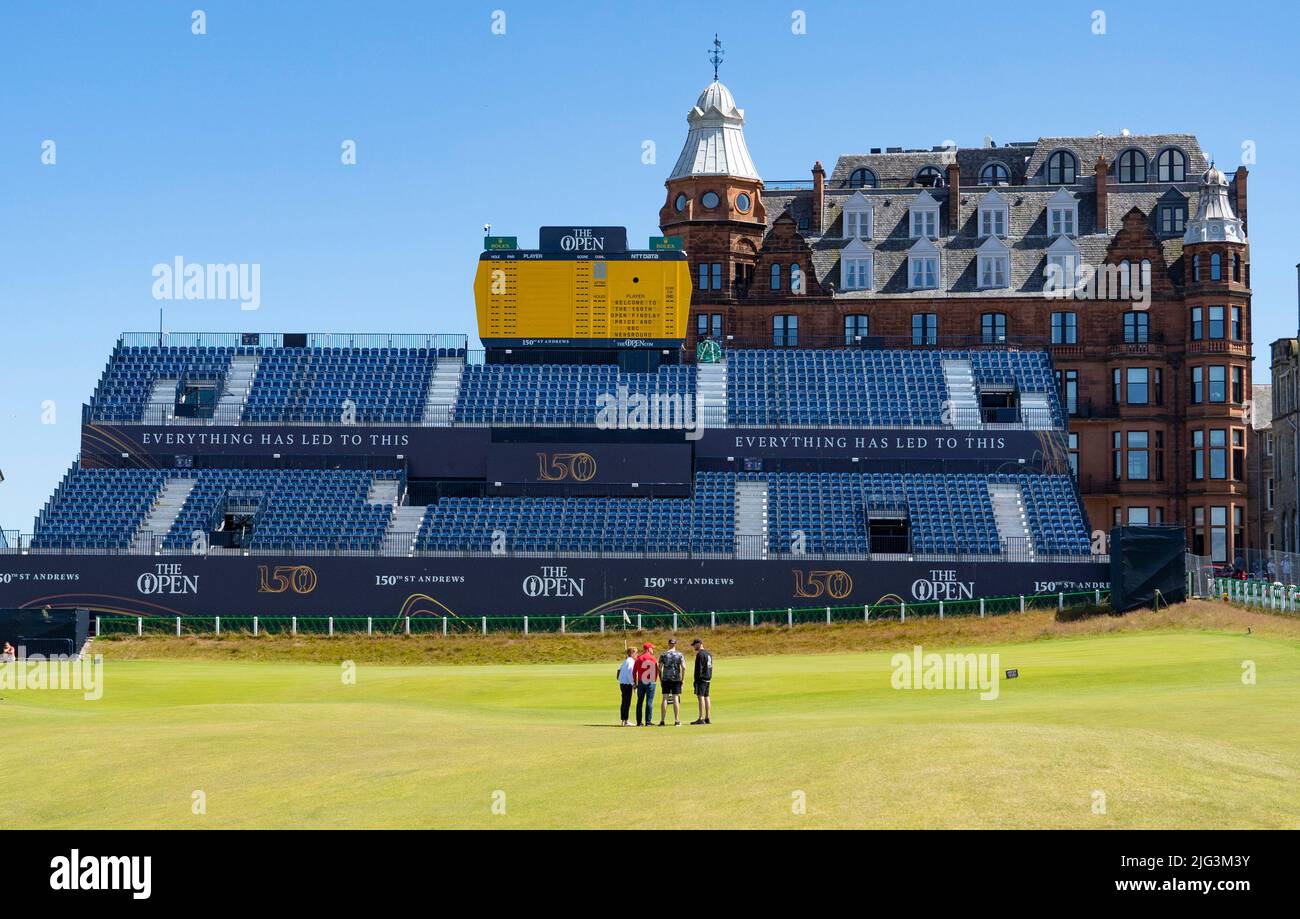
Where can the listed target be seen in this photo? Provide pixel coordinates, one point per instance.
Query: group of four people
(640, 672)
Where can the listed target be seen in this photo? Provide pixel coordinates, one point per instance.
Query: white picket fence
(1284, 598)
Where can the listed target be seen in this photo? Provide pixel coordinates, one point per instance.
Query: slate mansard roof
(1027, 231)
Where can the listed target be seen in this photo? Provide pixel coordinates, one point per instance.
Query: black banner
(145, 585)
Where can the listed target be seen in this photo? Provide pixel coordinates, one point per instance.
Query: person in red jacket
(646, 671)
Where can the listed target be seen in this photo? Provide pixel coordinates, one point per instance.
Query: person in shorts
(672, 669)
(703, 677)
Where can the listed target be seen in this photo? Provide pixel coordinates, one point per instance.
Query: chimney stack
(954, 198)
(1102, 218)
(1239, 185)
(819, 196)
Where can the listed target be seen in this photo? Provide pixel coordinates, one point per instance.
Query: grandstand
(407, 471)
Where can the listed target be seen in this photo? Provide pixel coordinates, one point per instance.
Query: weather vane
(716, 56)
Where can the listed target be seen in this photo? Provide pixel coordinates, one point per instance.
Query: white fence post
(1022, 603)
(178, 626)
(444, 625)
(638, 622)
(139, 625)
(713, 619)
(218, 624)
(828, 615)
(866, 613)
(97, 631)
(902, 611)
(370, 625)
(789, 618)
(1096, 596)
(563, 625)
(1060, 599)
(751, 618)
(525, 625)
(254, 626)
(484, 624)
(674, 622)
(331, 625)
(602, 623)
(406, 625)
(293, 626)
(981, 607)
(940, 609)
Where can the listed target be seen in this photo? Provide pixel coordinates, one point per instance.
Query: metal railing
(738, 548)
(612, 620)
(447, 341)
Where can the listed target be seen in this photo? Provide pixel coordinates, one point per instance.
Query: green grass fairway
(1159, 722)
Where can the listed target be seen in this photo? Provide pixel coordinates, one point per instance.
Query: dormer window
(858, 214)
(862, 178)
(1132, 167)
(929, 177)
(1062, 168)
(995, 174)
(856, 265)
(1062, 214)
(1062, 272)
(994, 215)
(993, 263)
(923, 265)
(1171, 166)
(924, 214)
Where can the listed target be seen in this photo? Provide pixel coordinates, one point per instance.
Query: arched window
(1062, 168)
(1146, 274)
(1216, 267)
(862, 178)
(929, 177)
(995, 174)
(776, 277)
(796, 279)
(1171, 166)
(1132, 166)
(1125, 279)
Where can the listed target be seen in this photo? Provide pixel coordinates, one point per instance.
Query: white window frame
(1062, 214)
(858, 211)
(923, 258)
(857, 267)
(923, 215)
(994, 215)
(993, 254)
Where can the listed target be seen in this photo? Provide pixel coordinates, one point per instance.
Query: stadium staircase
(384, 491)
(403, 528)
(444, 390)
(1036, 411)
(162, 402)
(751, 519)
(959, 377)
(711, 394)
(239, 383)
(1009, 514)
(163, 513)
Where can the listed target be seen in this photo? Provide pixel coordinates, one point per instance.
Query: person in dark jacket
(703, 677)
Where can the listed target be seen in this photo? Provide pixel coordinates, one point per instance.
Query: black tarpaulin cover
(1144, 560)
(45, 631)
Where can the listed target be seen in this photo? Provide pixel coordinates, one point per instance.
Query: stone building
(1125, 255)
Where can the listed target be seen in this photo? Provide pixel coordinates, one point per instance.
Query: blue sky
(225, 147)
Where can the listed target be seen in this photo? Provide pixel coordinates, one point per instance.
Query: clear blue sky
(225, 147)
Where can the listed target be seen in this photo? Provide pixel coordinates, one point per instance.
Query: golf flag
(627, 620)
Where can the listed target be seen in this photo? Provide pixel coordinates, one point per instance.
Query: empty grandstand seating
(96, 509)
(383, 385)
(296, 509)
(946, 514)
(558, 393)
(129, 378)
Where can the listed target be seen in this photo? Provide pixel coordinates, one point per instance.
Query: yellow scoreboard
(582, 288)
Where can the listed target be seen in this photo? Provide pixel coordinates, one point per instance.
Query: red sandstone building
(961, 246)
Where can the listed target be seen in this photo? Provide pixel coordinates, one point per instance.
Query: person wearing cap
(703, 676)
(646, 670)
(672, 667)
(626, 683)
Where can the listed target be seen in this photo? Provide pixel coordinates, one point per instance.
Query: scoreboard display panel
(582, 288)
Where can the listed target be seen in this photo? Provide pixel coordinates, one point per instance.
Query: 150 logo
(558, 467)
(835, 584)
(299, 579)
